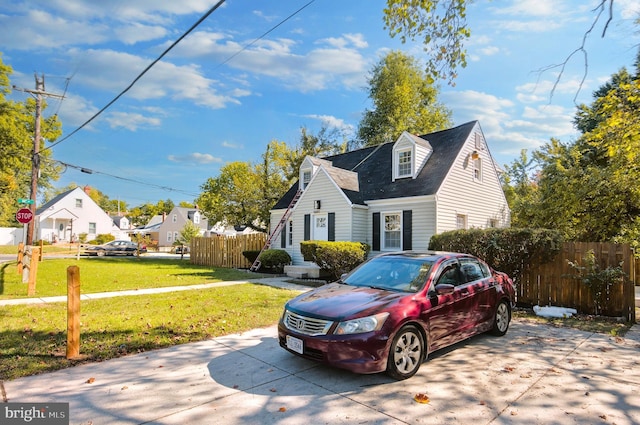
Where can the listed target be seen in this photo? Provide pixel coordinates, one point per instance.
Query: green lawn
(33, 337)
(107, 274)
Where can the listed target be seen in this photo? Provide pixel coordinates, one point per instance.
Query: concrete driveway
(536, 374)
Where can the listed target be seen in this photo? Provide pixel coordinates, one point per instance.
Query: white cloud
(333, 122)
(230, 145)
(131, 121)
(195, 158)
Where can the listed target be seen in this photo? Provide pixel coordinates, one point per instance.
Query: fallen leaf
(482, 403)
(421, 398)
(514, 413)
(282, 409)
(124, 388)
(91, 380)
(525, 375)
(273, 390)
(509, 369)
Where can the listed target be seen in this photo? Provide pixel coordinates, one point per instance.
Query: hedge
(509, 250)
(336, 258)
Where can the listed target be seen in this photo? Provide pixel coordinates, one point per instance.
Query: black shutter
(307, 227)
(332, 227)
(407, 229)
(376, 232)
(283, 236)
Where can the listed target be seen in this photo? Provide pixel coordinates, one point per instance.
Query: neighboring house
(166, 228)
(393, 196)
(71, 213)
(121, 222)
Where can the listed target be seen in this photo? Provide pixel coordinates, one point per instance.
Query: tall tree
(17, 123)
(403, 99)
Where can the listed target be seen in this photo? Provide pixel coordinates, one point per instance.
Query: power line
(205, 16)
(157, 186)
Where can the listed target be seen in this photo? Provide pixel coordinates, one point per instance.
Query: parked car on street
(115, 248)
(392, 311)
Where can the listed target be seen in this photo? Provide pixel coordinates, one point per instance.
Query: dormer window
(306, 178)
(404, 163)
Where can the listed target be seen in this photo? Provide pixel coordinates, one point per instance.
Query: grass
(107, 274)
(584, 322)
(33, 337)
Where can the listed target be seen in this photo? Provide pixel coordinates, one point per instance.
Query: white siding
(332, 200)
(461, 194)
(423, 218)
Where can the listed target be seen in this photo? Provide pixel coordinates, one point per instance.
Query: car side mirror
(445, 288)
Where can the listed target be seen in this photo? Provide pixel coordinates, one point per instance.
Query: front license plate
(294, 344)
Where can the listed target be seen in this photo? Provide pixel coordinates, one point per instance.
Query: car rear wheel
(502, 319)
(406, 353)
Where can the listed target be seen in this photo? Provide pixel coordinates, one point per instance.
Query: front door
(320, 227)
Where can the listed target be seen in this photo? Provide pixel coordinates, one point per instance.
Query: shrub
(104, 238)
(507, 250)
(275, 259)
(251, 255)
(335, 258)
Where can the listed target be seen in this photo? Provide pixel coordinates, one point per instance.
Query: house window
(493, 222)
(392, 231)
(78, 203)
(196, 218)
(169, 236)
(461, 221)
(92, 228)
(290, 232)
(404, 163)
(174, 218)
(306, 178)
(477, 169)
(176, 236)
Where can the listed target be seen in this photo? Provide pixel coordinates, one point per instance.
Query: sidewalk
(280, 282)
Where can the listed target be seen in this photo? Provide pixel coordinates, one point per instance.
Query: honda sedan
(394, 310)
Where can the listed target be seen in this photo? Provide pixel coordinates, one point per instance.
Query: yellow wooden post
(73, 312)
(33, 270)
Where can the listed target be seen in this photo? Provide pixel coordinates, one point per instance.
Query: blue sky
(223, 92)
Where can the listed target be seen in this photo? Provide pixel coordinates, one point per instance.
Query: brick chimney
(87, 189)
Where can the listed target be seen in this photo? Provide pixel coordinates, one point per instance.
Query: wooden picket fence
(553, 284)
(225, 251)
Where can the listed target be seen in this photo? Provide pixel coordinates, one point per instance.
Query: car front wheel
(100, 253)
(502, 319)
(406, 353)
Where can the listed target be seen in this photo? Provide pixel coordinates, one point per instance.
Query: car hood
(339, 301)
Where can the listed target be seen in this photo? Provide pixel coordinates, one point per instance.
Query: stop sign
(24, 215)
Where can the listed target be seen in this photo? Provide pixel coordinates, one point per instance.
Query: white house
(71, 213)
(166, 228)
(393, 196)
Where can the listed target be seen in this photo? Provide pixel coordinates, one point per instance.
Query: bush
(104, 238)
(336, 258)
(275, 259)
(507, 250)
(251, 255)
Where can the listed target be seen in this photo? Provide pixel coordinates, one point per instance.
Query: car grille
(306, 325)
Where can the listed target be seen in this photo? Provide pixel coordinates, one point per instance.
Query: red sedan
(393, 310)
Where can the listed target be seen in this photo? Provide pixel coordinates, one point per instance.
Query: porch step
(302, 272)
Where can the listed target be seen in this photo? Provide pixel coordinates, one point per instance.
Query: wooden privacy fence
(225, 251)
(552, 284)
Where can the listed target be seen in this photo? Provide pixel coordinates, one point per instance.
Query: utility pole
(38, 93)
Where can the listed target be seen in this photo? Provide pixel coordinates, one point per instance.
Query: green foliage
(275, 259)
(336, 258)
(104, 238)
(251, 255)
(16, 146)
(441, 25)
(587, 189)
(507, 250)
(403, 100)
(597, 279)
(188, 232)
(82, 237)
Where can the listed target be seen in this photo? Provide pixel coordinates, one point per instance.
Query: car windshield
(394, 273)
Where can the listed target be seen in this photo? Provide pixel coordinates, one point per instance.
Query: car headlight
(362, 325)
